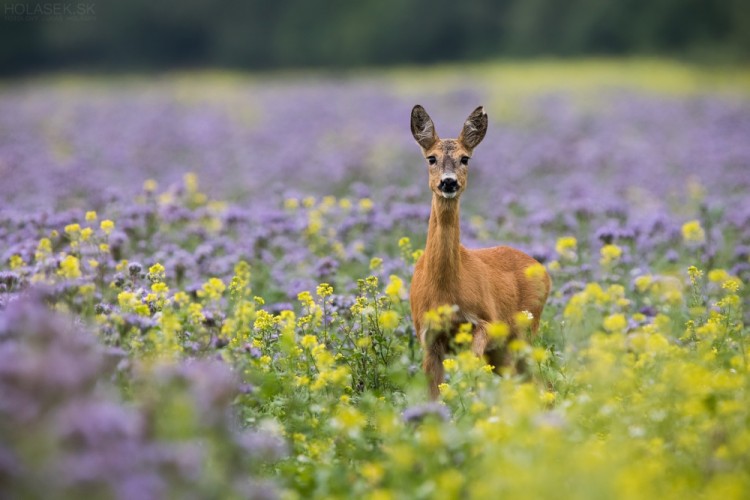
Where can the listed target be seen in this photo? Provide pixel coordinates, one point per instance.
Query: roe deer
(486, 285)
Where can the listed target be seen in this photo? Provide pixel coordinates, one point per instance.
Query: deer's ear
(474, 129)
(422, 128)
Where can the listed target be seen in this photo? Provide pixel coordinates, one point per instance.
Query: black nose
(448, 185)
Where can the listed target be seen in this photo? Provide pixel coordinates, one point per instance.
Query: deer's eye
(431, 160)
(464, 160)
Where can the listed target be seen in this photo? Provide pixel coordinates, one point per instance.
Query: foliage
(257, 34)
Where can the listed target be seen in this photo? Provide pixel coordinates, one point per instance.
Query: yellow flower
(732, 284)
(349, 419)
(609, 254)
(324, 290)
(16, 261)
(103, 247)
(535, 271)
(181, 298)
(328, 202)
(394, 287)
(388, 319)
(195, 311)
(191, 182)
(695, 274)
(498, 330)
(90, 216)
(86, 233)
(156, 272)
(539, 355)
(449, 482)
(523, 319)
(364, 342)
(291, 203)
(566, 247)
(372, 472)
(213, 289)
(463, 337)
(306, 299)
(263, 320)
(69, 267)
(615, 323)
(447, 391)
(72, 229)
(375, 263)
(365, 204)
(548, 397)
(643, 282)
(150, 185)
(380, 494)
(450, 365)
(693, 233)
(107, 226)
(718, 275)
(309, 341)
(265, 360)
(517, 345)
(126, 300)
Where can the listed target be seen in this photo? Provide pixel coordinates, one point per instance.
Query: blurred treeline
(158, 34)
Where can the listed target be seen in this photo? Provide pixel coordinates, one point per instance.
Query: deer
(482, 286)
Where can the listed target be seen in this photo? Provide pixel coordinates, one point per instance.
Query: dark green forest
(259, 34)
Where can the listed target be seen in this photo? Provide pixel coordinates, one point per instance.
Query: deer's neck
(442, 251)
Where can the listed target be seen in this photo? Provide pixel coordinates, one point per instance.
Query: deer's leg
(433, 365)
(480, 340)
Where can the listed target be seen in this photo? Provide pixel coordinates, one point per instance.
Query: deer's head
(448, 159)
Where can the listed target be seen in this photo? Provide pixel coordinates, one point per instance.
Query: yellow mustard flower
(69, 267)
(566, 247)
(615, 323)
(107, 226)
(498, 330)
(609, 254)
(693, 233)
(16, 261)
(324, 290)
(309, 341)
(395, 287)
(388, 319)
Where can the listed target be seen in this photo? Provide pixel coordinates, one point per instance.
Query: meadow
(204, 285)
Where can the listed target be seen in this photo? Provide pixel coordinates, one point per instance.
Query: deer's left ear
(474, 129)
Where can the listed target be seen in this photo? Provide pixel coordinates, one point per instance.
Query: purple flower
(425, 410)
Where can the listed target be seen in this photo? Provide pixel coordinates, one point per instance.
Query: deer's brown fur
(486, 285)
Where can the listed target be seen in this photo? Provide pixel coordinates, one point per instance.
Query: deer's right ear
(422, 128)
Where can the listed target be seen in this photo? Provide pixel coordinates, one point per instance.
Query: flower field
(204, 285)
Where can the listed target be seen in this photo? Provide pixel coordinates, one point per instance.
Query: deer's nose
(448, 184)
